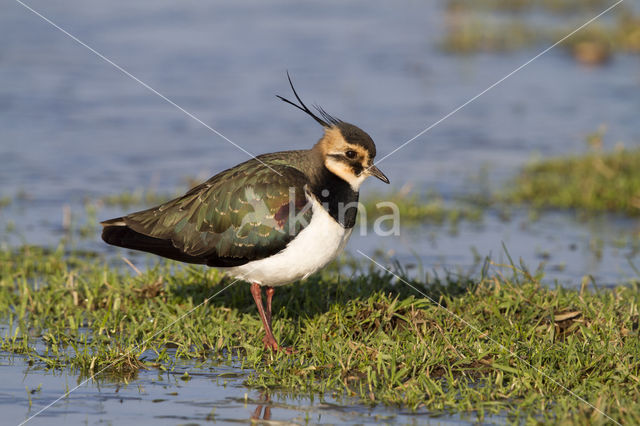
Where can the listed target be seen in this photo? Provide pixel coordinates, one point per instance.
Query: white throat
(355, 183)
(344, 172)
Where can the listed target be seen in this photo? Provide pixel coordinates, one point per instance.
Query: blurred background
(75, 131)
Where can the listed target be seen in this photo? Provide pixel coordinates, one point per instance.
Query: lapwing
(269, 221)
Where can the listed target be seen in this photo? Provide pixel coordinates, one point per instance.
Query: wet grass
(429, 208)
(135, 198)
(467, 34)
(503, 26)
(365, 335)
(597, 181)
(145, 196)
(4, 201)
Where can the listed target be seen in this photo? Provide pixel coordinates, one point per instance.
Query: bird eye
(350, 154)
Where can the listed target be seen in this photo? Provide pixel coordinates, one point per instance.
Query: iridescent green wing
(242, 214)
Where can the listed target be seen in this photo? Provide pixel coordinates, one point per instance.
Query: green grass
(364, 335)
(592, 182)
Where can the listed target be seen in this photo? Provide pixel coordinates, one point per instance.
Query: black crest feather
(326, 121)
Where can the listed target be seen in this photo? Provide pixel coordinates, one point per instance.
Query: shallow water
(211, 394)
(73, 127)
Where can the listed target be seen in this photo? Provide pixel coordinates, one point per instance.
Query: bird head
(347, 150)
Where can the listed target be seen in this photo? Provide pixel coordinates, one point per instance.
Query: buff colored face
(351, 162)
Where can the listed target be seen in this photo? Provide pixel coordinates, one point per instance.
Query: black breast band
(338, 198)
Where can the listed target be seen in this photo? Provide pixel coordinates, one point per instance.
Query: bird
(272, 220)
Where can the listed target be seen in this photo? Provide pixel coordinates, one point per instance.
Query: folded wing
(242, 214)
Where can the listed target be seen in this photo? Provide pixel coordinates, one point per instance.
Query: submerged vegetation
(498, 344)
(429, 208)
(135, 198)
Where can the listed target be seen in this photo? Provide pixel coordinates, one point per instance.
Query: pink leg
(269, 291)
(269, 341)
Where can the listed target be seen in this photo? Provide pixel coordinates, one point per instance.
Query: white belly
(315, 246)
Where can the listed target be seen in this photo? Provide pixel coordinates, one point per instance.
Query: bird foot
(274, 346)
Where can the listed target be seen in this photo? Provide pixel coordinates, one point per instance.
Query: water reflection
(263, 409)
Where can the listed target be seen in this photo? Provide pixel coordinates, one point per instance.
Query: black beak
(374, 171)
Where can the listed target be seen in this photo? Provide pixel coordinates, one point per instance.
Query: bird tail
(117, 233)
